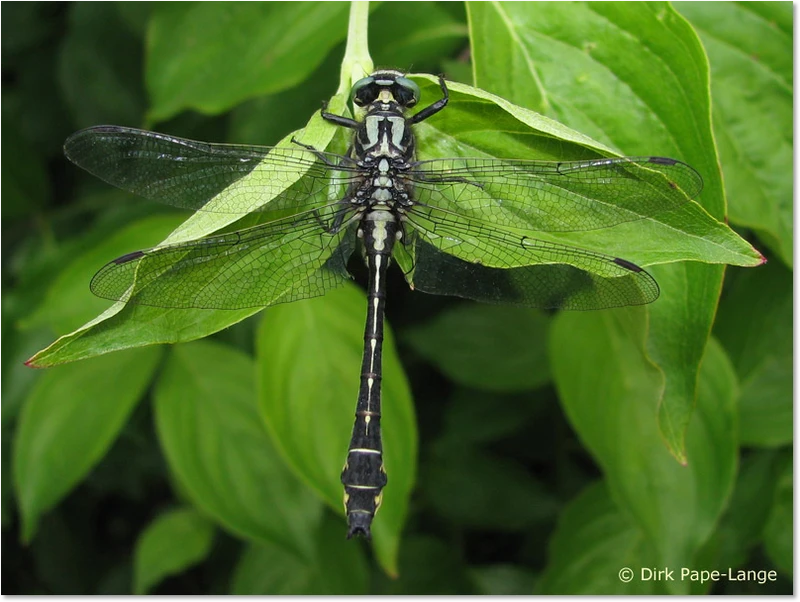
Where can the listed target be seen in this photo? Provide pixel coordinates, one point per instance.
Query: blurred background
(507, 497)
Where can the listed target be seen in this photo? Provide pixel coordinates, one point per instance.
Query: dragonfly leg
(451, 180)
(338, 119)
(338, 220)
(422, 176)
(318, 154)
(435, 107)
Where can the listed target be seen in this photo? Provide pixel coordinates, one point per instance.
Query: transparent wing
(550, 196)
(277, 262)
(223, 178)
(461, 257)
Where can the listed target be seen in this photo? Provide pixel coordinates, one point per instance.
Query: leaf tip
(32, 363)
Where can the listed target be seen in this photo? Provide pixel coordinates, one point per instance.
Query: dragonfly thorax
(384, 135)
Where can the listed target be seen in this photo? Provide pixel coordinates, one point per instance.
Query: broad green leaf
(611, 399)
(212, 56)
(493, 348)
(122, 326)
(752, 325)
(17, 378)
(778, 540)
(635, 77)
(254, 122)
(218, 450)
(338, 567)
(477, 123)
(68, 301)
(69, 421)
(749, 48)
(100, 67)
(309, 356)
(594, 543)
(741, 528)
(173, 542)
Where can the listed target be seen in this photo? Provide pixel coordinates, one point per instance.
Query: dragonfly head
(385, 87)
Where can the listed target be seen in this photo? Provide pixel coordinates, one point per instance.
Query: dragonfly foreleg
(338, 119)
(435, 107)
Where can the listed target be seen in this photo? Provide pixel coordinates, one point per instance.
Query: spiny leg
(435, 107)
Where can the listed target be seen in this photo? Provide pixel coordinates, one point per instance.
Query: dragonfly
(460, 226)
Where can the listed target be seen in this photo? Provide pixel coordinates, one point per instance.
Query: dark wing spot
(627, 265)
(662, 160)
(129, 257)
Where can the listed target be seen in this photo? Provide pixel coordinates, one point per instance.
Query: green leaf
(778, 531)
(217, 448)
(173, 542)
(69, 421)
(493, 348)
(254, 122)
(749, 48)
(123, 326)
(741, 528)
(429, 32)
(593, 543)
(635, 77)
(68, 301)
(194, 61)
(309, 355)
(338, 568)
(752, 326)
(477, 123)
(100, 67)
(611, 399)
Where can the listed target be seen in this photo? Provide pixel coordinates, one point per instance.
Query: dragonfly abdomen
(364, 476)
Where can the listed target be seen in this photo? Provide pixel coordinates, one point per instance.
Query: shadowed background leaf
(503, 475)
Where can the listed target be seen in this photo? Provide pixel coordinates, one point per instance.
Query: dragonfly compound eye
(406, 92)
(364, 91)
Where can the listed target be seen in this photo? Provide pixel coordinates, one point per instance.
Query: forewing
(277, 262)
(467, 259)
(222, 178)
(550, 196)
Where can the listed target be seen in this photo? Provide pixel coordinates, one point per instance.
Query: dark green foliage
(527, 452)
